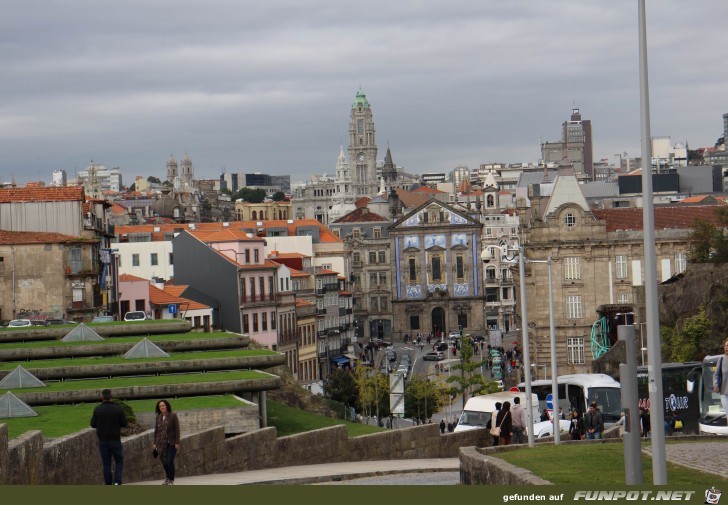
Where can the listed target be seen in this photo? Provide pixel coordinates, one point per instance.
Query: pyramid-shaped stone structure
(12, 406)
(20, 378)
(145, 349)
(82, 333)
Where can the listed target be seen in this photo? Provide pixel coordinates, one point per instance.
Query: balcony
(84, 271)
(357, 264)
(257, 299)
(349, 311)
(320, 312)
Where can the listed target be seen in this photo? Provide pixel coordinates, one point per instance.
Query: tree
(341, 387)
(278, 196)
(705, 239)
(154, 180)
(373, 389)
(470, 380)
(687, 343)
(250, 195)
(422, 398)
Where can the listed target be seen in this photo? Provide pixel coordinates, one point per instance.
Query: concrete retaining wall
(241, 419)
(75, 459)
(117, 330)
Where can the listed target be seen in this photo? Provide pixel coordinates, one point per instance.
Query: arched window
(254, 215)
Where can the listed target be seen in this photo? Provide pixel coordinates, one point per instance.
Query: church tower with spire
(389, 172)
(362, 147)
(171, 169)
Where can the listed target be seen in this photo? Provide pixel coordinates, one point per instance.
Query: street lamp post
(486, 257)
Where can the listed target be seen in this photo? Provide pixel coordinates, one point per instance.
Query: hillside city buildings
(368, 252)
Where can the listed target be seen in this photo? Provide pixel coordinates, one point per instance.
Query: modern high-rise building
(575, 147)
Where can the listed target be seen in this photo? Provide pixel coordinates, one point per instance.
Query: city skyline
(244, 87)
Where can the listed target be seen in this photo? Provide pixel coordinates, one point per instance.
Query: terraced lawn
(119, 382)
(60, 420)
(119, 340)
(114, 360)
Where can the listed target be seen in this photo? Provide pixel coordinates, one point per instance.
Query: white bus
(577, 391)
(712, 416)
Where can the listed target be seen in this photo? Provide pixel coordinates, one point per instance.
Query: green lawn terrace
(192, 365)
(113, 329)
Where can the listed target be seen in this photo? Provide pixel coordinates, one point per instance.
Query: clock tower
(362, 148)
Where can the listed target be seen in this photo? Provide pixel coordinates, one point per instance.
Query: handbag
(719, 374)
(496, 430)
(678, 424)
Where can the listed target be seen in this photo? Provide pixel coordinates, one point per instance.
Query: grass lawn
(119, 340)
(114, 360)
(290, 420)
(602, 463)
(118, 382)
(60, 420)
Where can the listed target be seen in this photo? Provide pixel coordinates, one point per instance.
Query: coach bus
(712, 416)
(677, 394)
(577, 391)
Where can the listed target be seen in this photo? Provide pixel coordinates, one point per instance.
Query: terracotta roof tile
(676, 217)
(36, 237)
(428, 190)
(326, 271)
(361, 215)
(47, 194)
(131, 278)
(361, 202)
(410, 199)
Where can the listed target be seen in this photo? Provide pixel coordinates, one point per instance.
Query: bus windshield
(609, 402)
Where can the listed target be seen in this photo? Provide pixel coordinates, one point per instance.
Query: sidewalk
(308, 474)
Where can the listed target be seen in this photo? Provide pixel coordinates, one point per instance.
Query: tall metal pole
(526, 346)
(654, 368)
(554, 380)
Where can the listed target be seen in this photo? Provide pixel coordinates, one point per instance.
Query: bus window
(576, 398)
(608, 401)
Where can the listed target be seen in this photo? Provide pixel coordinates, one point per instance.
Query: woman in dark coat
(166, 438)
(576, 428)
(504, 419)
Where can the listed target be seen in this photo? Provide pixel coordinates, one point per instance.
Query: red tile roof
(47, 194)
(361, 215)
(410, 199)
(169, 296)
(676, 217)
(131, 278)
(225, 235)
(361, 202)
(325, 271)
(427, 189)
(37, 237)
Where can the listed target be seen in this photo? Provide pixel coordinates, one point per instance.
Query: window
(264, 321)
(572, 269)
(505, 294)
(246, 327)
(459, 267)
(356, 257)
(153, 259)
(414, 322)
(621, 264)
(681, 262)
(573, 307)
(360, 128)
(575, 350)
(135, 260)
(622, 298)
(412, 270)
(490, 274)
(372, 257)
(252, 287)
(372, 281)
(491, 295)
(383, 303)
(255, 323)
(256, 255)
(382, 256)
(261, 284)
(377, 233)
(356, 233)
(383, 279)
(436, 271)
(570, 220)
(506, 274)
(247, 256)
(272, 320)
(374, 304)
(171, 258)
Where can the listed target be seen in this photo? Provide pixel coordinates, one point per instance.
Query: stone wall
(241, 419)
(74, 459)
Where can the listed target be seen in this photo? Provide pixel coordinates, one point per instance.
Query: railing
(357, 264)
(349, 311)
(257, 299)
(320, 312)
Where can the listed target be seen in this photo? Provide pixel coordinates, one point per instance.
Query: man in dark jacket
(108, 419)
(594, 423)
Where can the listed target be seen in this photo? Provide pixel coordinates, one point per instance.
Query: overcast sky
(245, 86)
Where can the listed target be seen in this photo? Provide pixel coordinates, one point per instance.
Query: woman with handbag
(166, 438)
(504, 423)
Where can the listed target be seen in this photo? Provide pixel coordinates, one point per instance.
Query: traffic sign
(172, 308)
(514, 389)
(550, 401)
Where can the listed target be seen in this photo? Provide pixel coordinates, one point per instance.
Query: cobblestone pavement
(402, 479)
(707, 457)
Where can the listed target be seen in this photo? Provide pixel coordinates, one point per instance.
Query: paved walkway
(703, 456)
(310, 474)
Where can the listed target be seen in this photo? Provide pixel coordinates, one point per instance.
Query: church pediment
(434, 213)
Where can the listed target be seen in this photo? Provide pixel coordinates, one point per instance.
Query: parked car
(545, 428)
(405, 359)
(434, 356)
(454, 334)
(16, 323)
(441, 346)
(102, 319)
(136, 315)
(52, 322)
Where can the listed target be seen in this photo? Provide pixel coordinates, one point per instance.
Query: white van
(479, 408)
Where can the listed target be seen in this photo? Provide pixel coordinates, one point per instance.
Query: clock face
(360, 157)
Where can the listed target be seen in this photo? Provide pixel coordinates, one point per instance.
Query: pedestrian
(519, 421)
(492, 420)
(504, 420)
(576, 427)
(594, 423)
(442, 425)
(545, 415)
(720, 377)
(645, 426)
(108, 419)
(166, 438)
(450, 427)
